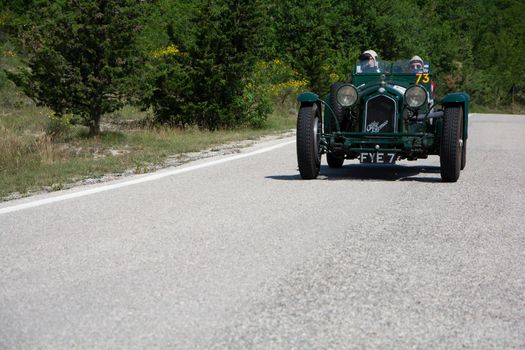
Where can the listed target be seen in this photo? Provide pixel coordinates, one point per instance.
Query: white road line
(146, 178)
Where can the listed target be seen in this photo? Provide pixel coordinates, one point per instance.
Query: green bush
(273, 83)
(204, 83)
(257, 103)
(58, 127)
(10, 95)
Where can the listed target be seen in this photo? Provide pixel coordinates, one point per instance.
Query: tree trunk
(513, 101)
(94, 125)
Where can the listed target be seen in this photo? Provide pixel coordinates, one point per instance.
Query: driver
(416, 64)
(368, 62)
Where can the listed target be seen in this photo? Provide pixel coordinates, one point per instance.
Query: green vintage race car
(381, 116)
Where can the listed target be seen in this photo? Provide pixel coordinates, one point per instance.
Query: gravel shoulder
(172, 161)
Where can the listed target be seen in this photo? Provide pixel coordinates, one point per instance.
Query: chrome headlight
(347, 95)
(415, 96)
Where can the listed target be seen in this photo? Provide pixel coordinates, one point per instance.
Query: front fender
(459, 98)
(308, 97)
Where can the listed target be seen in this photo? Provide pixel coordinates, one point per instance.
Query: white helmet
(371, 53)
(416, 59)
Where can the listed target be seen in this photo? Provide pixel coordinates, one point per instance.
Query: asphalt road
(244, 254)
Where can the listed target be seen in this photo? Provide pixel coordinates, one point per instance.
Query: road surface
(241, 253)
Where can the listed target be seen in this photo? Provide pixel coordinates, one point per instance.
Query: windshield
(387, 67)
(371, 66)
(414, 67)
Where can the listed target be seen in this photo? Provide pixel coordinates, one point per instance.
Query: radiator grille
(380, 115)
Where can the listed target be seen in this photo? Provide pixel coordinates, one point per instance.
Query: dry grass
(20, 150)
(31, 160)
(48, 151)
(16, 149)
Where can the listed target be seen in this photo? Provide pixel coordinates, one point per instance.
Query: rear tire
(334, 161)
(308, 141)
(450, 147)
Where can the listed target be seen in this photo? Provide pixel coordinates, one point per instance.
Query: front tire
(308, 141)
(451, 144)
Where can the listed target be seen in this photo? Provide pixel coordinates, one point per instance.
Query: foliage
(58, 127)
(203, 81)
(304, 37)
(474, 45)
(81, 61)
(270, 83)
(202, 55)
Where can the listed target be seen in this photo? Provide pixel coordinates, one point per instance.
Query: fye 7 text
(378, 157)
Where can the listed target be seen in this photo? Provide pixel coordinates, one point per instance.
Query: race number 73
(425, 77)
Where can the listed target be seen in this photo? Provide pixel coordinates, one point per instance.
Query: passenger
(416, 64)
(368, 61)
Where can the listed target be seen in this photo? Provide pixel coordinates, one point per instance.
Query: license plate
(378, 157)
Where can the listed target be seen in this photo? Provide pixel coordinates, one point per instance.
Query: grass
(517, 108)
(32, 160)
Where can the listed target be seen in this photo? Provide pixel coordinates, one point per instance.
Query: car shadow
(372, 172)
(284, 177)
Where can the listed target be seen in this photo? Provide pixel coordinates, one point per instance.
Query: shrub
(58, 127)
(272, 82)
(257, 104)
(206, 83)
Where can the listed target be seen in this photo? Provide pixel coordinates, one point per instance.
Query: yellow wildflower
(334, 77)
(167, 51)
(9, 53)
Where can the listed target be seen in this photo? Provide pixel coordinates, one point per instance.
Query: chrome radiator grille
(380, 114)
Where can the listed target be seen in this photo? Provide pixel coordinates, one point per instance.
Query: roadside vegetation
(92, 87)
(40, 152)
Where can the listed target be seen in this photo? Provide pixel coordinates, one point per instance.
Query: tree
(81, 61)
(203, 81)
(304, 37)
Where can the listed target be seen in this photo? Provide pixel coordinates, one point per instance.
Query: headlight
(415, 96)
(347, 95)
